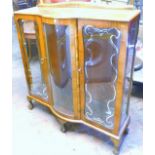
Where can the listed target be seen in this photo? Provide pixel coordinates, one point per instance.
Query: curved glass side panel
(58, 49)
(101, 62)
(31, 46)
(132, 39)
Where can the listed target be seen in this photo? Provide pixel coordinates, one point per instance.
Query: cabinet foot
(115, 152)
(63, 128)
(30, 106)
(126, 131)
(116, 146)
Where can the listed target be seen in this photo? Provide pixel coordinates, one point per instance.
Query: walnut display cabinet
(78, 61)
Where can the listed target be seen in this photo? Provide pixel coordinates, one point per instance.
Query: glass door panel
(30, 42)
(59, 58)
(132, 39)
(101, 51)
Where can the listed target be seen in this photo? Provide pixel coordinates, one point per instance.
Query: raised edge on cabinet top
(87, 12)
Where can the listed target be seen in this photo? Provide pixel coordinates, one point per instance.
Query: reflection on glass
(101, 59)
(58, 48)
(36, 83)
(132, 39)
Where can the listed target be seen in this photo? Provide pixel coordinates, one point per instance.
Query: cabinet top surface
(70, 10)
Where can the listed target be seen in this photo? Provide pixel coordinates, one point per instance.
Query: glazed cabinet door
(32, 56)
(129, 67)
(102, 57)
(61, 47)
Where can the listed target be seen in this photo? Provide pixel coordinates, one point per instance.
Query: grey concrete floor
(37, 132)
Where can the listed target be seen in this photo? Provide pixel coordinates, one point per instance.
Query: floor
(37, 132)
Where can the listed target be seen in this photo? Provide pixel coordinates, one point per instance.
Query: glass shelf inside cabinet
(59, 58)
(29, 35)
(101, 68)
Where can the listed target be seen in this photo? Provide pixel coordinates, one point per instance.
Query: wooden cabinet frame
(77, 67)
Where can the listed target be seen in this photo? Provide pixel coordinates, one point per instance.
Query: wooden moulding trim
(74, 53)
(97, 125)
(40, 101)
(79, 68)
(54, 21)
(25, 17)
(81, 65)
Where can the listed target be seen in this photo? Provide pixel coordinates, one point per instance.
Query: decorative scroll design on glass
(29, 33)
(59, 57)
(101, 60)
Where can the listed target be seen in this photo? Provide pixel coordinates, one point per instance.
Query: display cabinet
(78, 62)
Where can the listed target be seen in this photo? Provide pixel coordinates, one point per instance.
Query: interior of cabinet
(33, 59)
(59, 58)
